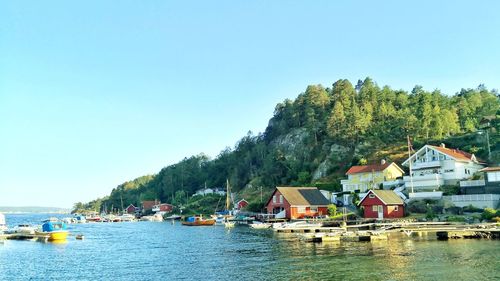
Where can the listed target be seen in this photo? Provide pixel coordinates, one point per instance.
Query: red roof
(455, 153)
(367, 168)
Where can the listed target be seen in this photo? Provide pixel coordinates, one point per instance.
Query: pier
(25, 236)
(381, 231)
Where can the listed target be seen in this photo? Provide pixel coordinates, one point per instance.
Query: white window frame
(396, 208)
(281, 199)
(301, 210)
(371, 195)
(274, 198)
(375, 208)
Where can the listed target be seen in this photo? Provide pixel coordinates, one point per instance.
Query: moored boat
(259, 225)
(173, 217)
(24, 229)
(55, 229)
(198, 221)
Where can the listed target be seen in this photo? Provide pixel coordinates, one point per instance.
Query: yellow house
(363, 178)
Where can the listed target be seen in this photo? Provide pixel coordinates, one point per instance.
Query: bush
(472, 209)
(450, 189)
(430, 214)
(489, 214)
(455, 219)
(332, 210)
(417, 206)
(255, 207)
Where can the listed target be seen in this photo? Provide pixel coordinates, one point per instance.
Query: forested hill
(313, 140)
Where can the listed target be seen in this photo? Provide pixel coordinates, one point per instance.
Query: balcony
(424, 165)
(472, 183)
(424, 181)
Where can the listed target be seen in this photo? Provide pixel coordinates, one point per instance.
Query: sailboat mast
(409, 161)
(228, 195)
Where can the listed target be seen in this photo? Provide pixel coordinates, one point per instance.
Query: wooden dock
(377, 232)
(25, 236)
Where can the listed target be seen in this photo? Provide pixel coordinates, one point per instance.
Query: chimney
(382, 162)
(442, 145)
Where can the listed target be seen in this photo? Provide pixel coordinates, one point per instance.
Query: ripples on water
(155, 251)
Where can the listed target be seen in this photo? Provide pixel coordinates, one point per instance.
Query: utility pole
(488, 144)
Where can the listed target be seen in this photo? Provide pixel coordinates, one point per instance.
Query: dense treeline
(316, 137)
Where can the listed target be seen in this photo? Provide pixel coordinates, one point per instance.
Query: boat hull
(199, 223)
(55, 235)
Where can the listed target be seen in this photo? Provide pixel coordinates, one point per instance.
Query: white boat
(69, 220)
(25, 229)
(229, 224)
(158, 217)
(155, 218)
(297, 224)
(127, 217)
(259, 225)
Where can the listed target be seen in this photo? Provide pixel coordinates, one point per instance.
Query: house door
(380, 211)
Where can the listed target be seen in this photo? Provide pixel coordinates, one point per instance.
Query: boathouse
(131, 209)
(297, 203)
(241, 204)
(163, 207)
(382, 204)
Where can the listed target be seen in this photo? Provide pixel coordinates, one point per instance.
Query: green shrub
(489, 214)
(472, 209)
(255, 207)
(430, 214)
(332, 210)
(455, 219)
(417, 206)
(450, 189)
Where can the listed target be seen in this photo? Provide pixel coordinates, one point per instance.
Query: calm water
(155, 251)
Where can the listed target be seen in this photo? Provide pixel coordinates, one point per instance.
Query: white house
(206, 191)
(434, 166)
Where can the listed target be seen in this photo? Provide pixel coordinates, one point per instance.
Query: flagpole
(409, 161)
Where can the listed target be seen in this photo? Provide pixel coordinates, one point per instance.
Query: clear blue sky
(96, 93)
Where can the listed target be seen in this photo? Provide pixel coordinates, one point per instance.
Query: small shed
(382, 204)
(241, 204)
(131, 209)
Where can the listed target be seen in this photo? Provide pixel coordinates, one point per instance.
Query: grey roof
(389, 197)
(303, 196)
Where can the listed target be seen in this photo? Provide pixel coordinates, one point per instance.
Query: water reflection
(147, 250)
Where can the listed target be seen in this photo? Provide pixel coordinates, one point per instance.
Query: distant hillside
(31, 209)
(315, 138)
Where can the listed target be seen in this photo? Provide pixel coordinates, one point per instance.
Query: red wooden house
(297, 202)
(241, 204)
(131, 209)
(382, 204)
(163, 207)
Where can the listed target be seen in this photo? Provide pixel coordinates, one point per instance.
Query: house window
(374, 208)
(274, 198)
(314, 209)
(301, 210)
(371, 195)
(281, 199)
(396, 208)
